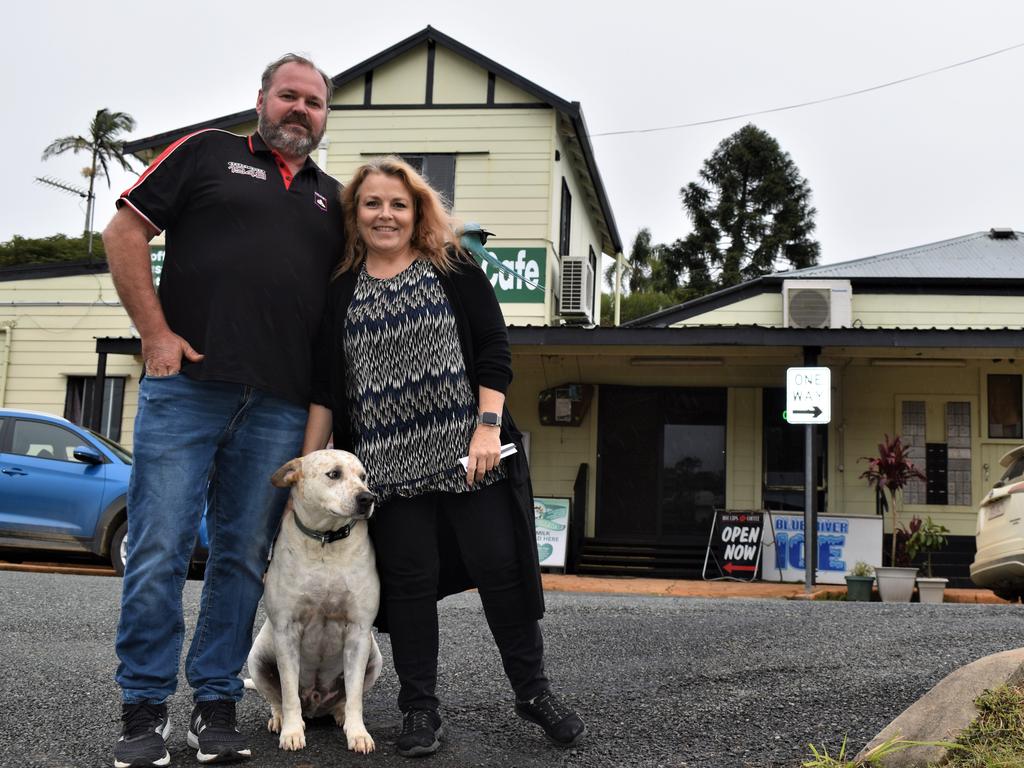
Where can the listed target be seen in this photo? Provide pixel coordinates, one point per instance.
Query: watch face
(489, 418)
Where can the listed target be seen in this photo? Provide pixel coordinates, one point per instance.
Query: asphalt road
(683, 682)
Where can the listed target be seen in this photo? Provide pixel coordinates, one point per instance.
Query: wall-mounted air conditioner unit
(576, 288)
(817, 303)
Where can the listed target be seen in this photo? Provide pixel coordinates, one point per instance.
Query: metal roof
(997, 253)
(764, 336)
(982, 263)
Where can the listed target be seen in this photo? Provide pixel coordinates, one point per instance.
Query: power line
(815, 101)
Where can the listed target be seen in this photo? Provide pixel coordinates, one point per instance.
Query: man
(254, 229)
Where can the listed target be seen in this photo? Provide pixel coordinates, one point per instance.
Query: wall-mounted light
(920, 362)
(687, 361)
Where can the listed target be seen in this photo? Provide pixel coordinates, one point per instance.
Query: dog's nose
(364, 502)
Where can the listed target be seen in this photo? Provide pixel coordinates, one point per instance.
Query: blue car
(64, 488)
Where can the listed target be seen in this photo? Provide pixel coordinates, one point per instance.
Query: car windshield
(118, 450)
(1014, 471)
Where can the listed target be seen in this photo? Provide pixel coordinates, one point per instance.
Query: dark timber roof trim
(761, 336)
(429, 35)
(53, 269)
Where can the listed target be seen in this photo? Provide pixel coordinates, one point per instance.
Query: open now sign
(734, 546)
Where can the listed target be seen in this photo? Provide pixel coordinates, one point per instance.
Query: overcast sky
(922, 161)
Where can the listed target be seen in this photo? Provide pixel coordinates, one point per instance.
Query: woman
(416, 367)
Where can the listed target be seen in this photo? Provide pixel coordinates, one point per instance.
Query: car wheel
(119, 548)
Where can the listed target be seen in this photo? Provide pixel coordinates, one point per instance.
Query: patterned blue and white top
(412, 408)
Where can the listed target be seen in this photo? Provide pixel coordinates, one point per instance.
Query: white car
(999, 561)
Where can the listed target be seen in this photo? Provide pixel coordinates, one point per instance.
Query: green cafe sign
(156, 262)
(529, 263)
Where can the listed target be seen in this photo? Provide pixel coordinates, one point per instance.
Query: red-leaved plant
(889, 472)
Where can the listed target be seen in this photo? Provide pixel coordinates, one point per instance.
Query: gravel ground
(682, 682)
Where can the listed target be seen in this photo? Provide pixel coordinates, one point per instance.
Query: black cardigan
(485, 347)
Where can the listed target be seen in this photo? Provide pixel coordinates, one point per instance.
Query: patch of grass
(895, 744)
(996, 737)
(994, 740)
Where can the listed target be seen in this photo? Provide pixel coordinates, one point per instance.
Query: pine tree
(751, 216)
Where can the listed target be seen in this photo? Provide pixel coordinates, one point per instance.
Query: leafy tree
(634, 305)
(750, 212)
(47, 250)
(104, 143)
(645, 269)
(648, 284)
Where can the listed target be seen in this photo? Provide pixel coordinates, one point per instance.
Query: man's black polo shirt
(249, 253)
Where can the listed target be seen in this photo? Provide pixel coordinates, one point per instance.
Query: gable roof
(989, 263)
(579, 139)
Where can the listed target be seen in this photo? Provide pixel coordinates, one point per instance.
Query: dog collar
(324, 537)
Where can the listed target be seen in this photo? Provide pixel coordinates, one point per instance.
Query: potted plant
(859, 581)
(888, 473)
(927, 537)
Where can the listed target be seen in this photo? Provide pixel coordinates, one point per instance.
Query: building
(686, 412)
(648, 428)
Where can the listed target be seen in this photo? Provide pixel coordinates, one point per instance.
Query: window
(947, 465)
(565, 222)
(439, 171)
(915, 435)
(1004, 405)
(44, 441)
(784, 479)
(78, 406)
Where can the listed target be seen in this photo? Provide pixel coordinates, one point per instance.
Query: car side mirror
(87, 455)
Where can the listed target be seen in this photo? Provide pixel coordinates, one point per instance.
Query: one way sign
(808, 395)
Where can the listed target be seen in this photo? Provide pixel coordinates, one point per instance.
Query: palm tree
(105, 145)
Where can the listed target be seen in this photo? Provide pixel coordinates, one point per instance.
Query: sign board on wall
(551, 518)
(156, 262)
(531, 263)
(734, 545)
(841, 542)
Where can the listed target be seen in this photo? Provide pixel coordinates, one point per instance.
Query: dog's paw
(292, 739)
(360, 741)
(274, 723)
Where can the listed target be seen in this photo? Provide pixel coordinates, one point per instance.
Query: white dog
(316, 653)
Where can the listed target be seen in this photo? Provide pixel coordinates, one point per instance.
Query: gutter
(7, 328)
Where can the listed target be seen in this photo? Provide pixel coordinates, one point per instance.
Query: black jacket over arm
(485, 347)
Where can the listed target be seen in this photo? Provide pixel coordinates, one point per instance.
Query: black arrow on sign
(816, 412)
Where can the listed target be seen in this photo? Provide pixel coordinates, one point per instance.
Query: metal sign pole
(809, 528)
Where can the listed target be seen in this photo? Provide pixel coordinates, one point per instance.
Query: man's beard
(285, 141)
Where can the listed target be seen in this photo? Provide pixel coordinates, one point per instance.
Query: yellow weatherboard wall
(54, 326)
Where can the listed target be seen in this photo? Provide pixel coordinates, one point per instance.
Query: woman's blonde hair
(433, 232)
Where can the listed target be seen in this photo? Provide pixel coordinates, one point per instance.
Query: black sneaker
(143, 734)
(562, 725)
(421, 733)
(213, 734)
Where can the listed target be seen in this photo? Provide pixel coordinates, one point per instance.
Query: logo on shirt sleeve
(321, 201)
(247, 170)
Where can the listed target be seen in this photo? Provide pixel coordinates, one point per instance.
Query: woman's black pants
(405, 535)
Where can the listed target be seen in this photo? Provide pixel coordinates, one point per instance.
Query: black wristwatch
(490, 418)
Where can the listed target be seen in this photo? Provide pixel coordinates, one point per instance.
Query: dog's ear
(288, 475)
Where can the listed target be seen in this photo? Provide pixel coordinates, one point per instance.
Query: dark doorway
(661, 462)
(784, 458)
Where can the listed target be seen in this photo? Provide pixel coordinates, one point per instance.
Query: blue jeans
(199, 441)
